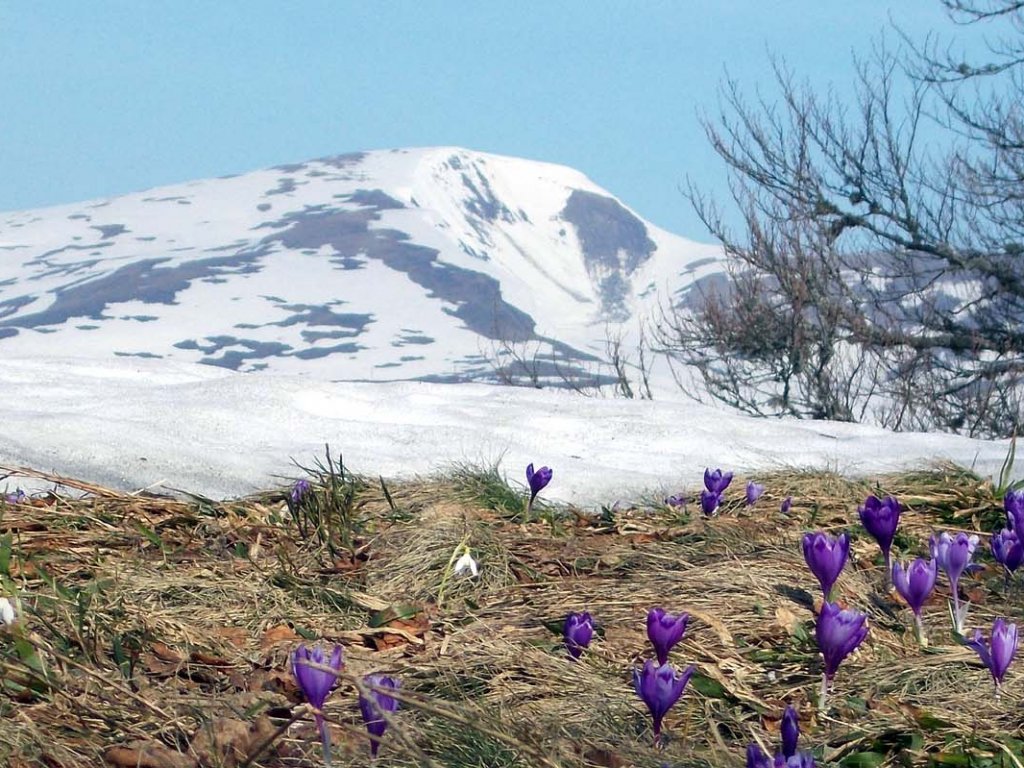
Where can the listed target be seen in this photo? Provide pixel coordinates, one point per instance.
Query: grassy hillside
(157, 632)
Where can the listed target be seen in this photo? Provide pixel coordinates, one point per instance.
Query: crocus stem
(325, 743)
(529, 509)
(824, 693)
(919, 631)
(956, 610)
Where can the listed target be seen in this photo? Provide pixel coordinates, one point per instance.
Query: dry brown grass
(156, 631)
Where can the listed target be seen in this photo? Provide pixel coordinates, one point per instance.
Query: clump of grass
(485, 487)
(328, 513)
(456, 745)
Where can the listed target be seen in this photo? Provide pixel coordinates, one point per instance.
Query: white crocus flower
(7, 613)
(466, 563)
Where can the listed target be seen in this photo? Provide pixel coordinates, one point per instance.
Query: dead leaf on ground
(275, 681)
(603, 758)
(235, 636)
(786, 623)
(228, 742)
(400, 632)
(276, 635)
(724, 635)
(164, 652)
(142, 754)
(157, 667)
(207, 658)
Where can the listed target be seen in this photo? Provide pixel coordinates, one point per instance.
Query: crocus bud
(578, 632)
(716, 482)
(1000, 651)
(838, 633)
(316, 675)
(790, 731)
(953, 554)
(826, 556)
(1013, 503)
(916, 582)
(660, 688)
(299, 491)
(786, 504)
(754, 491)
(709, 501)
(880, 518)
(537, 480)
(664, 631)
(757, 758)
(375, 702)
(1007, 549)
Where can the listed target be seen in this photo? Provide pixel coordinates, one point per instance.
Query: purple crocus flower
(880, 518)
(786, 504)
(790, 729)
(953, 554)
(316, 675)
(374, 703)
(299, 491)
(537, 481)
(754, 491)
(664, 631)
(1013, 503)
(716, 482)
(677, 500)
(1000, 650)
(18, 497)
(1008, 550)
(660, 687)
(709, 501)
(838, 633)
(756, 758)
(577, 631)
(826, 556)
(916, 582)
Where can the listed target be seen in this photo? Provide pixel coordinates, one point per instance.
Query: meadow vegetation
(155, 631)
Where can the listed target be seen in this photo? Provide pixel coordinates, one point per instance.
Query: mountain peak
(396, 264)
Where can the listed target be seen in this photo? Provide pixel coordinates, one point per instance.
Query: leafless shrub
(876, 274)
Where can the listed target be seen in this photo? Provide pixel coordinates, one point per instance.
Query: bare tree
(618, 374)
(515, 363)
(877, 272)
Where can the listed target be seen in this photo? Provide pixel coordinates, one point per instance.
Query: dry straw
(156, 631)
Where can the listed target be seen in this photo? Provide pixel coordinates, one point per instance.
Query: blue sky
(102, 98)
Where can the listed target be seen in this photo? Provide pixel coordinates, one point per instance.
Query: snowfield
(160, 425)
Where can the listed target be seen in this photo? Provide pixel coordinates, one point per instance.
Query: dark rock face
(108, 231)
(476, 296)
(211, 346)
(143, 280)
(615, 243)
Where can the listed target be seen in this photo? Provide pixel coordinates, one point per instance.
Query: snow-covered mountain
(386, 265)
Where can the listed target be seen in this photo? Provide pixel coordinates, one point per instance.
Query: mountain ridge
(391, 264)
